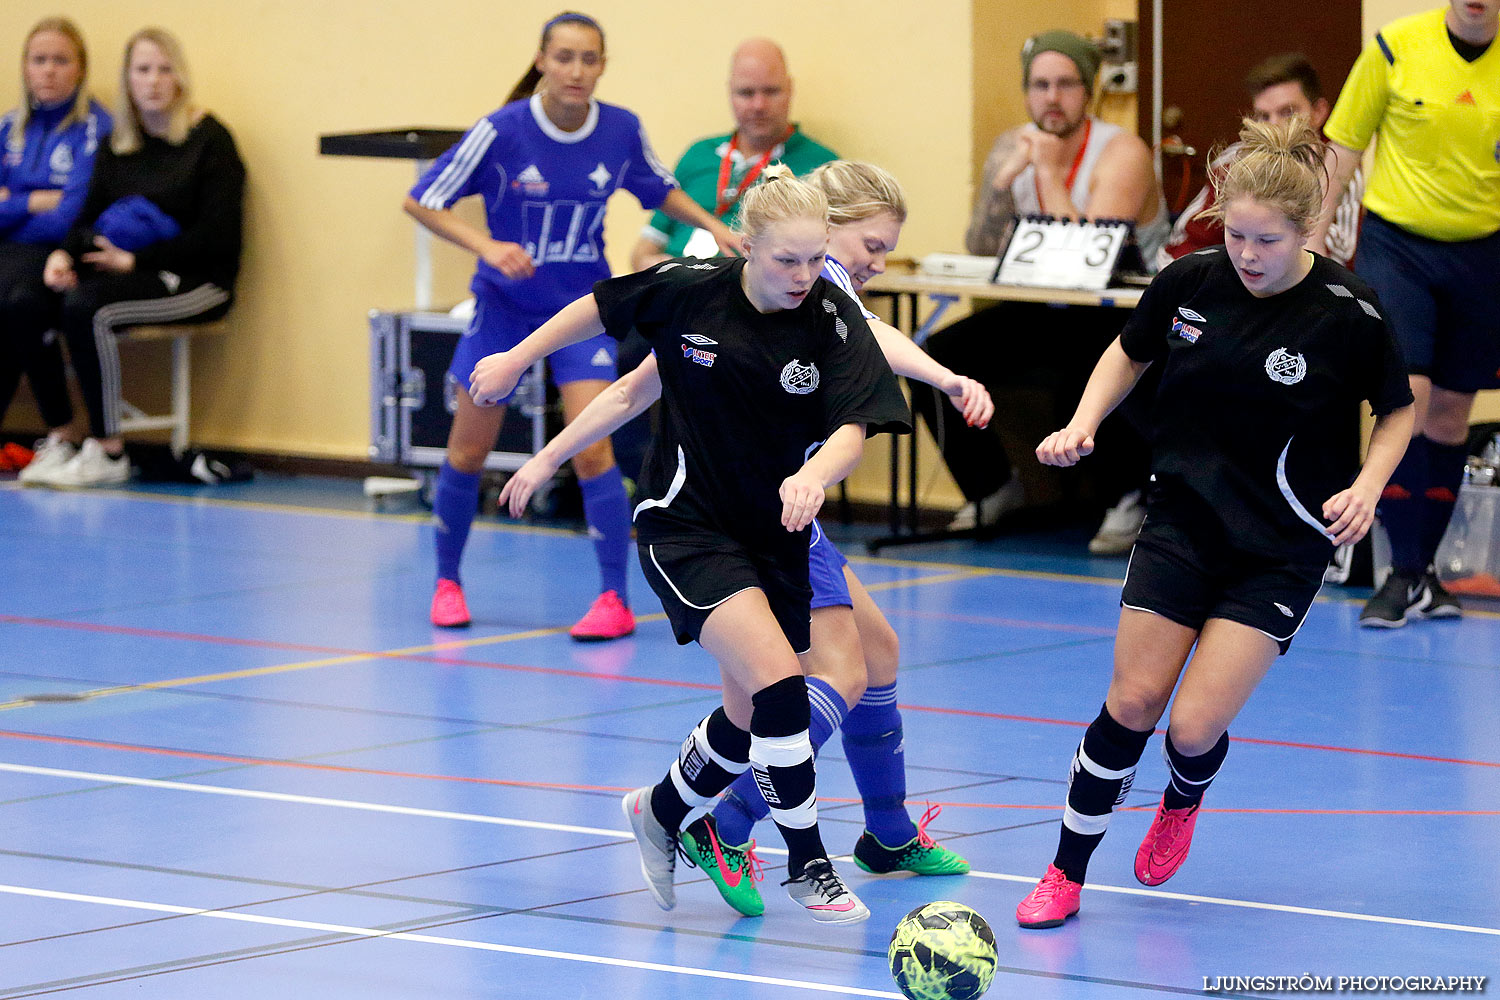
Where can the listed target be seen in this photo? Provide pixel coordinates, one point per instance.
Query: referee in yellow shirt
(1428, 86)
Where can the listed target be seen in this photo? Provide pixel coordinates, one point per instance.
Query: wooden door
(1208, 47)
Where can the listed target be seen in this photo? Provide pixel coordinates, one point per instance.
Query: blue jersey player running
(545, 164)
(851, 666)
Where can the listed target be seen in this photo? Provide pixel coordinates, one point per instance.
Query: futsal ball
(943, 951)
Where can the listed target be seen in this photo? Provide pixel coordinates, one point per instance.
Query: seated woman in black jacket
(157, 241)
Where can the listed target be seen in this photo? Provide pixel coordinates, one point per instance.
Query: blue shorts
(497, 328)
(1439, 299)
(825, 572)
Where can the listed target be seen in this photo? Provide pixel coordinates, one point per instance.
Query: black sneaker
(1401, 595)
(1440, 603)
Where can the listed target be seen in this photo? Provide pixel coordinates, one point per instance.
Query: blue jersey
(546, 189)
(838, 275)
(50, 158)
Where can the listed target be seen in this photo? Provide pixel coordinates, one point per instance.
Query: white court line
(249, 793)
(509, 949)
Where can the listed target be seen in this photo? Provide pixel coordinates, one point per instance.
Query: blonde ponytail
(1279, 165)
(779, 197)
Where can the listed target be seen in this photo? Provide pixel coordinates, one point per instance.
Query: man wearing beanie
(1069, 164)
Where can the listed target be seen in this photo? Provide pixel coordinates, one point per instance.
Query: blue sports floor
(236, 762)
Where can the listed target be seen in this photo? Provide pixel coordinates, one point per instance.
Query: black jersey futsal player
(1266, 348)
(760, 359)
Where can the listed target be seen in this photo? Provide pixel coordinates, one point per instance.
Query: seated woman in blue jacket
(47, 147)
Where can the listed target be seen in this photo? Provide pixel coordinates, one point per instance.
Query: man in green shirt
(715, 171)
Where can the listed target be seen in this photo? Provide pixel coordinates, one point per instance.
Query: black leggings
(101, 307)
(28, 344)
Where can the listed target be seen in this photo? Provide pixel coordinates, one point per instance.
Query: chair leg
(181, 394)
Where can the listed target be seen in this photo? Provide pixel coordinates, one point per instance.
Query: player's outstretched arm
(1113, 378)
(510, 259)
(970, 398)
(803, 491)
(496, 375)
(606, 413)
(1352, 511)
(684, 209)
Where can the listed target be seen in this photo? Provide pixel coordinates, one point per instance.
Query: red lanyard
(1088, 126)
(723, 205)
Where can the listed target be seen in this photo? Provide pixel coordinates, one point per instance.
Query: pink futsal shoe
(1054, 900)
(449, 609)
(1166, 845)
(607, 618)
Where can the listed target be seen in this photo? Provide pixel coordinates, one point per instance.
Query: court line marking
(448, 942)
(483, 525)
(625, 835)
(555, 786)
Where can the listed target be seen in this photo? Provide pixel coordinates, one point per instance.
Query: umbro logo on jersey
(699, 339)
(1186, 331)
(1285, 367)
(699, 357)
(799, 379)
(1187, 313)
(1283, 609)
(601, 359)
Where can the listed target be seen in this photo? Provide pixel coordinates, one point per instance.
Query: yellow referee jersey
(1437, 161)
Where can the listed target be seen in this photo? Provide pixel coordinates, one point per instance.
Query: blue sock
(872, 743)
(743, 806)
(607, 510)
(454, 504)
(1402, 506)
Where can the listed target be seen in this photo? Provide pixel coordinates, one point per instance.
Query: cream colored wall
(885, 80)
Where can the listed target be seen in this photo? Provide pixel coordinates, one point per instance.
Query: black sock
(1445, 473)
(782, 759)
(714, 754)
(1191, 776)
(1402, 507)
(1099, 779)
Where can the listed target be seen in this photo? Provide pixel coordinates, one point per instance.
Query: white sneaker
(1122, 522)
(1011, 496)
(52, 453)
(824, 894)
(658, 847)
(92, 467)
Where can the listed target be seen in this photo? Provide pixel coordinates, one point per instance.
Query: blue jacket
(51, 158)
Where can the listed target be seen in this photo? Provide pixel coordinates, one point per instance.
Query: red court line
(442, 658)
(691, 685)
(557, 786)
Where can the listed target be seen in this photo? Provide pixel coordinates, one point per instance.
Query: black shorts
(1183, 569)
(693, 576)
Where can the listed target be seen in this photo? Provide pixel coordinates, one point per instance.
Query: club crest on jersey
(61, 161)
(1186, 331)
(1285, 367)
(698, 356)
(531, 182)
(799, 379)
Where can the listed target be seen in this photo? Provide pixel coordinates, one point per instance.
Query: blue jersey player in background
(545, 165)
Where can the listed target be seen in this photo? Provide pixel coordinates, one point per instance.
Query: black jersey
(1256, 391)
(745, 394)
